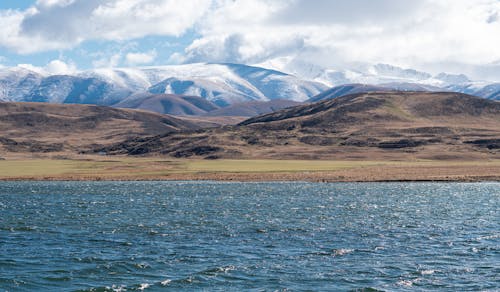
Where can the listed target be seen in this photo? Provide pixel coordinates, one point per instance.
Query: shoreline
(246, 177)
(496, 180)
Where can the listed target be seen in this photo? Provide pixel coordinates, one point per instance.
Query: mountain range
(222, 89)
(387, 76)
(222, 84)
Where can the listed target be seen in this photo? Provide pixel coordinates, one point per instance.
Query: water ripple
(145, 236)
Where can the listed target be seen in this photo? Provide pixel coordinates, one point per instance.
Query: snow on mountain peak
(452, 78)
(222, 83)
(398, 72)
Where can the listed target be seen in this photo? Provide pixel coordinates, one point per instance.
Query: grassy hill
(43, 127)
(372, 126)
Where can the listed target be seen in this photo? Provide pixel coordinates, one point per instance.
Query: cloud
(140, 58)
(58, 67)
(108, 61)
(328, 33)
(337, 32)
(356, 12)
(54, 67)
(63, 24)
(48, 3)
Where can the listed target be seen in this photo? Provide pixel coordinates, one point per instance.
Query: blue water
(104, 236)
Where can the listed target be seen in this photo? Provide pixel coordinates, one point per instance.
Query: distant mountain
(17, 82)
(253, 108)
(222, 84)
(379, 125)
(490, 91)
(78, 90)
(168, 104)
(181, 105)
(391, 77)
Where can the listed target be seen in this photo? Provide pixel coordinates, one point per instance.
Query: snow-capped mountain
(223, 84)
(387, 76)
(361, 74)
(17, 82)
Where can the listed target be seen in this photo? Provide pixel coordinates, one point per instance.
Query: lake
(117, 236)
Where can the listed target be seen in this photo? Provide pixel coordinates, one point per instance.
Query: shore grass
(157, 168)
(150, 166)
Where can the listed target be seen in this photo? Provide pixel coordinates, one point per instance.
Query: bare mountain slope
(43, 127)
(381, 125)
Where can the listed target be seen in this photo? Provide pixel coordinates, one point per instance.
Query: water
(100, 236)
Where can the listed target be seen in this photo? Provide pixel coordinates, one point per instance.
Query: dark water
(100, 236)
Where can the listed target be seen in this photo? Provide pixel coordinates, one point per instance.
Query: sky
(62, 36)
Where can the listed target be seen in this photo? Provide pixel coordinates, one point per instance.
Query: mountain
(168, 104)
(17, 82)
(384, 75)
(490, 91)
(222, 84)
(77, 90)
(181, 105)
(226, 84)
(367, 126)
(253, 108)
(43, 127)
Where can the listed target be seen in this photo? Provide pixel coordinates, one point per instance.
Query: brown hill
(43, 127)
(354, 88)
(381, 125)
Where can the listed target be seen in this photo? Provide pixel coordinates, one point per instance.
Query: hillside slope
(381, 125)
(42, 127)
(347, 89)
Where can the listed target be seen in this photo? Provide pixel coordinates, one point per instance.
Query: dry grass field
(158, 168)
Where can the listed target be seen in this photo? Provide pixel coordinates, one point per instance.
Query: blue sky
(16, 4)
(456, 36)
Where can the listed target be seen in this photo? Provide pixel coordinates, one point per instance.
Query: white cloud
(58, 67)
(48, 3)
(108, 62)
(331, 33)
(63, 24)
(12, 38)
(54, 67)
(140, 58)
(334, 33)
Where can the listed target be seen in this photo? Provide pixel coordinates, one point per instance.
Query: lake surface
(105, 236)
